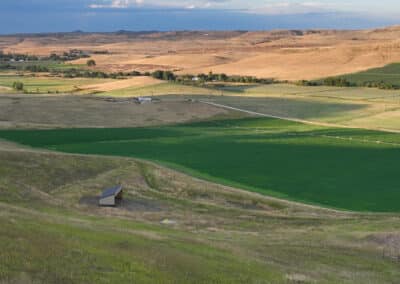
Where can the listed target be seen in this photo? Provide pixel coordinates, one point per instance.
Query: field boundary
(317, 123)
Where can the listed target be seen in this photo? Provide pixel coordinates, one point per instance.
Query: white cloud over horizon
(384, 7)
(140, 15)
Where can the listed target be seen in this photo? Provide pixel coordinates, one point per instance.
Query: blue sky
(19, 16)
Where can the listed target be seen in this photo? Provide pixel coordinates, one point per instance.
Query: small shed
(111, 196)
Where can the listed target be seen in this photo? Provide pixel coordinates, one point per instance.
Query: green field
(389, 74)
(341, 168)
(52, 65)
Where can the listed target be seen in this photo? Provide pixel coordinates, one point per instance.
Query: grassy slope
(220, 235)
(342, 168)
(45, 237)
(388, 74)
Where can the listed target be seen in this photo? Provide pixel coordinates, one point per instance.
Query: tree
(19, 86)
(91, 63)
(222, 77)
(136, 73)
(158, 74)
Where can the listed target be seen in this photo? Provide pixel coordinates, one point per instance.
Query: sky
(34, 16)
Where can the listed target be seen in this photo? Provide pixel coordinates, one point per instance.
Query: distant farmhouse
(143, 100)
(111, 196)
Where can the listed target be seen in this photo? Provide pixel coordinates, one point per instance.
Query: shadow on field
(302, 108)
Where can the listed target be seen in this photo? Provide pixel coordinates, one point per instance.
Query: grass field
(55, 111)
(52, 65)
(173, 229)
(356, 107)
(341, 168)
(164, 88)
(388, 74)
(48, 84)
(322, 92)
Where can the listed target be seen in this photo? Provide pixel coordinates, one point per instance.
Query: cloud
(295, 8)
(180, 4)
(116, 4)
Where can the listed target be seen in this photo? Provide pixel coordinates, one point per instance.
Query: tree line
(70, 55)
(343, 82)
(210, 77)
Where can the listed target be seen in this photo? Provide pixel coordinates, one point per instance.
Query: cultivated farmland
(341, 168)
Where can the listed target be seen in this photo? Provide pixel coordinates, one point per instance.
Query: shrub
(91, 63)
(19, 86)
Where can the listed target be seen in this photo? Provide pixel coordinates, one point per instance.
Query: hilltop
(281, 54)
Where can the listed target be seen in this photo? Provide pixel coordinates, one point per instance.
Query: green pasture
(52, 65)
(388, 74)
(342, 168)
(322, 92)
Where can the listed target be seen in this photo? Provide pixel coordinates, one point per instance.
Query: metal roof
(112, 191)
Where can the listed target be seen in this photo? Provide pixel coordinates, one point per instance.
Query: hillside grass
(341, 168)
(48, 234)
(389, 74)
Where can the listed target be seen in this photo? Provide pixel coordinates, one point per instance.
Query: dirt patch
(2, 88)
(385, 239)
(129, 204)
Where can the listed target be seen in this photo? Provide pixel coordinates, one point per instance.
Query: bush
(337, 82)
(37, 68)
(164, 75)
(135, 73)
(91, 63)
(19, 86)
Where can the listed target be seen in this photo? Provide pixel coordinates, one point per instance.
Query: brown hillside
(290, 55)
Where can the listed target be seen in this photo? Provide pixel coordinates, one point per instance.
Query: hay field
(54, 111)
(288, 55)
(141, 81)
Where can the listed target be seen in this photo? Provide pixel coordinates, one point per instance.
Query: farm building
(143, 100)
(111, 196)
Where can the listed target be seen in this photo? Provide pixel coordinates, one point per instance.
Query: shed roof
(112, 191)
